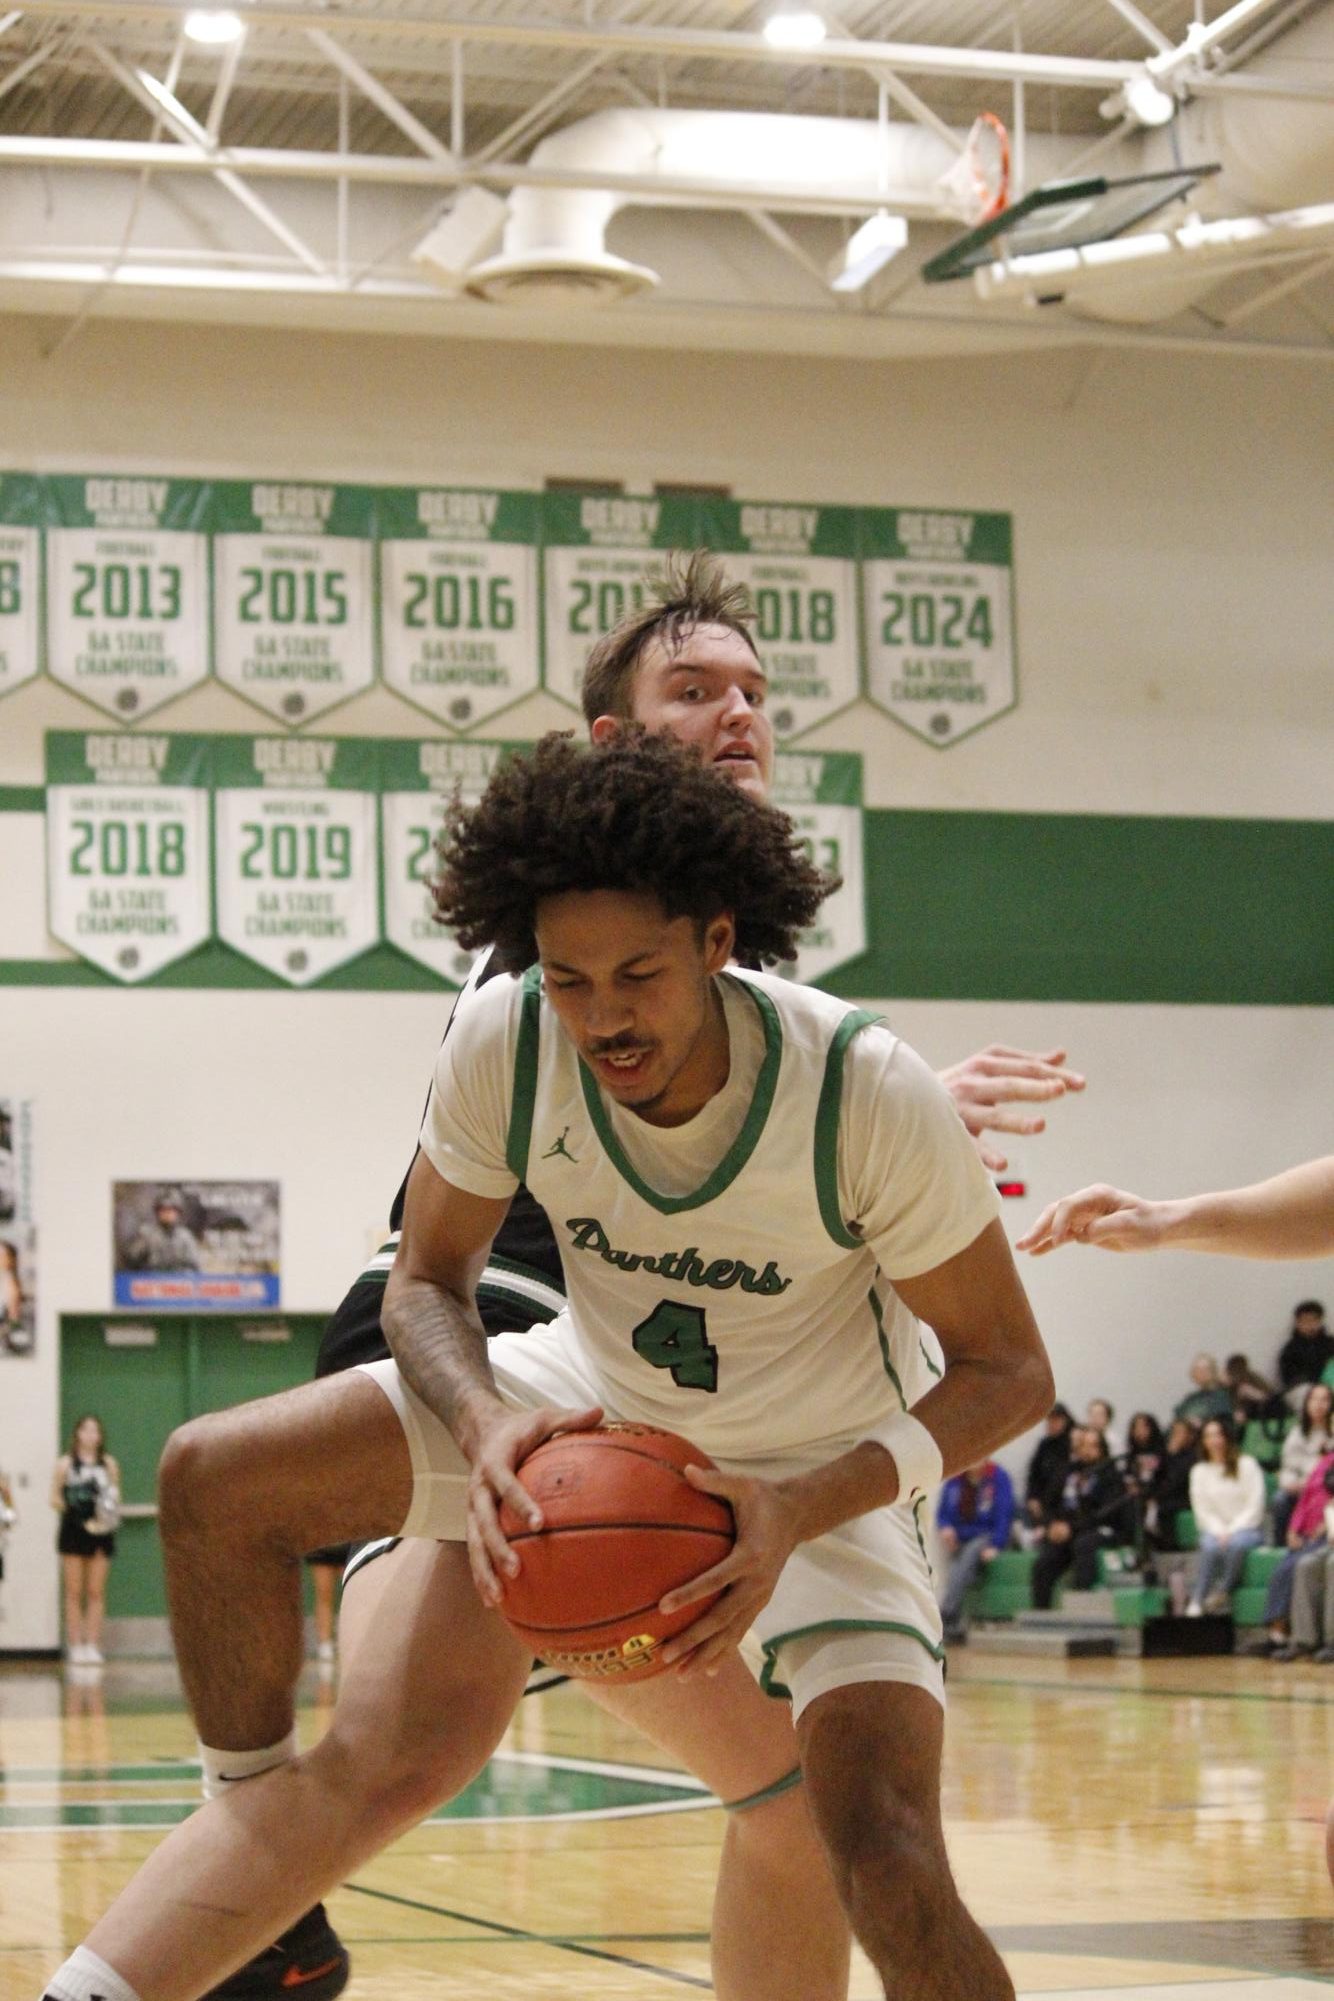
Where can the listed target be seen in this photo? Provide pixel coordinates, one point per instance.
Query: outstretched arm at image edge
(1291, 1215)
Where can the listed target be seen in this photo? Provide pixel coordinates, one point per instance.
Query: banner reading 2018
(292, 594)
(128, 867)
(297, 861)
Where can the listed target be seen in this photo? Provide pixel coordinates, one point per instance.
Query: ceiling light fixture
(214, 26)
(867, 251)
(795, 28)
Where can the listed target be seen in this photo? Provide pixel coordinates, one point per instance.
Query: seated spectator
(1146, 1449)
(1098, 1417)
(1252, 1393)
(975, 1514)
(1227, 1496)
(1307, 1352)
(1048, 1467)
(1170, 1494)
(1313, 1594)
(1210, 1397)
(1309, 1440)
(1305, 1532)
(1089, 1516)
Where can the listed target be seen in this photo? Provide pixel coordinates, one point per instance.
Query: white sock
(85, 1977)
(224, 1768)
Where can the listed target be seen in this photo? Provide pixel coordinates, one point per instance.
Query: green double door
(144, 1375)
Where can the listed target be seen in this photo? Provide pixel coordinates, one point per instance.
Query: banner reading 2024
(298, 871)
(822, 790)
(939, 587)
(128, 866)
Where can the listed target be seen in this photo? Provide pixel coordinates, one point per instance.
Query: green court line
(1295, 1699)
(517, 1935)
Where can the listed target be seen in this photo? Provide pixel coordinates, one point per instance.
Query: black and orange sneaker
(308, 1963)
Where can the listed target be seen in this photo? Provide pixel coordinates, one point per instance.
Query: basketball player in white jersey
(766, 1187)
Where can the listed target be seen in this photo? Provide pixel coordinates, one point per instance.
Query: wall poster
(191, 1245)
(18, 1230)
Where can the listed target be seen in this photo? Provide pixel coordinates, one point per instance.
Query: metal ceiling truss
(1197, 66)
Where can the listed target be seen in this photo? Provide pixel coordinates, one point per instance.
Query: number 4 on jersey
(675, 1337)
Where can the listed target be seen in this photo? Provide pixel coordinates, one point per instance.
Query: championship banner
(939, 605)
(126, 590)
(20, 579)
(459, 632)
(822, 791)
(293, 623)
(417, 782)
(599, 550)
(799, 564)
(297, 862)
(128, 869)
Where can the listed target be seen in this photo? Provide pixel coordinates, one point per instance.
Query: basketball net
(977, 186)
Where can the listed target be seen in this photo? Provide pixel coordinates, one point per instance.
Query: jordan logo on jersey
(560, 1151)
(684, 1267)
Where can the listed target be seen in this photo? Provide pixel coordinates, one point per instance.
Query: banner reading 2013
(297, 855)
(798, 564)
(127, 848)
(458, 600)
(127, 597)
(292, 594)
(939, 618)
(822, 791)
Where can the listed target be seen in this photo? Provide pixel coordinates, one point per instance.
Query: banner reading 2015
(822, 791)
(458, 600)
(297, 856)
(939, 618)
(127, 597)
(128, 866)
(292, 594)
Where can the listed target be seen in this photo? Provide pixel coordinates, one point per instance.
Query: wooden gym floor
(1116, 1825)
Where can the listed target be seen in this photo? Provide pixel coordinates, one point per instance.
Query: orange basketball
(621, 1525)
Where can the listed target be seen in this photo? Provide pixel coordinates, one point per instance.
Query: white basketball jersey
(745, 1314)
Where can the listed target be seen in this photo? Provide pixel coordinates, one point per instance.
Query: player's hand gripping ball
(621, 1527)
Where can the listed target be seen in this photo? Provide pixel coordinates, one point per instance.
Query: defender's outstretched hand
(1100, 1215)
(991, 1089)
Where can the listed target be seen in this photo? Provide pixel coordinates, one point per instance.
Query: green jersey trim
(771, 1686)
(874, 1297)
(826, 1128)
(525, 1076)
(742, 1147)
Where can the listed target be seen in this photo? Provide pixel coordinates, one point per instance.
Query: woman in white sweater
(1227, 1498)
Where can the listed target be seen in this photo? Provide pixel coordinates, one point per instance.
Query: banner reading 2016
(939, 618)
(128, 867)
(127, 599)
(292, 594)
(458, 600)
(20, 580)
(417, 783)
(798, 564)
(297, 860)
(822, 790)
(600, 550)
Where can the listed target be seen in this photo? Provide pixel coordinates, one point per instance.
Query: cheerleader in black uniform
(85, 1493)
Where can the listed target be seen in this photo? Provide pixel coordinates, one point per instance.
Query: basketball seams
(620, 1528)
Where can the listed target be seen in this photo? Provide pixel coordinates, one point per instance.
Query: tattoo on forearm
(439, 1344)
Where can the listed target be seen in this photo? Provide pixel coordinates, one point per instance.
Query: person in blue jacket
(974, 1517)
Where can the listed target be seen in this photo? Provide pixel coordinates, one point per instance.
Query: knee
(888, 1861)
(197, 1488)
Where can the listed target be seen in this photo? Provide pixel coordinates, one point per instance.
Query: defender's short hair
(691, 591)
(640, 814)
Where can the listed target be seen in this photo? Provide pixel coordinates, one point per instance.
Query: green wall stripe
(1096, 907)
(1001, 906)
(22, 799)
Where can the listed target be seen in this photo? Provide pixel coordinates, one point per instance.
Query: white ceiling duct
(554, 249)
(1275, 153)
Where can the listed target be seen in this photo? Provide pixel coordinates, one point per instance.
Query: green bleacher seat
(1260, 1567)
(1186, 1531)
(1263, 1439)
(1005, 1588)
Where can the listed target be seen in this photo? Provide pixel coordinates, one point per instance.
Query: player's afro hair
(640, 813)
